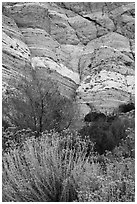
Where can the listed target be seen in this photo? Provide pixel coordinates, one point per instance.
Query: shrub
(105, 135)
(126, 147)
(40, 172)
(55, 168)
(14, 139)
(94, 116)
(37, 104)
(116, 185)
(73, 141)
(124, 108)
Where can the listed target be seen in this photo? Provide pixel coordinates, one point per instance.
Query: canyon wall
(88, 48)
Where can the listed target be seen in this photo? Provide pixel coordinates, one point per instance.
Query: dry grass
(39, 172)
(42, 171)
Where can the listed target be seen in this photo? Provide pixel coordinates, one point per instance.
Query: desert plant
(105, 134)
(115, 184)
(94, 116)
(40, 172)
(15, 139)
(37, 104)
(49, 169)
(126, 148)
(124, 108)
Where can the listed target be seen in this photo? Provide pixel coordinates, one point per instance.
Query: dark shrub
(94, 116)
(124, 108)
(104, 135)
(111, 118)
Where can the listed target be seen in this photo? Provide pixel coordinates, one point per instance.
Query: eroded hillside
(88, 48)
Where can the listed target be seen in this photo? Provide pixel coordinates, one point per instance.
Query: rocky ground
(88, 48)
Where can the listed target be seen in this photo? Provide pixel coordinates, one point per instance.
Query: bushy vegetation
(43, 161)
(115, 185)
(105, 134)
(37, 104)
(14, 139)
(126, 107)
(40, 171)
(55, 167)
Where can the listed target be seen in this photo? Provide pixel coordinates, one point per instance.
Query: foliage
(38, 172)
(56, 168)
(126, 107)
(105, 135)
(15, 138)
(94, 116)
(37, 104)
(117, 184)
(126, 147)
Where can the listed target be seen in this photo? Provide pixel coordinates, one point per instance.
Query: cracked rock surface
(89, 48)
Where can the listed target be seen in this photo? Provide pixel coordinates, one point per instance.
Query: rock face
(88, 48)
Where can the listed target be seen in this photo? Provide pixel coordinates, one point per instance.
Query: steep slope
(88, 48)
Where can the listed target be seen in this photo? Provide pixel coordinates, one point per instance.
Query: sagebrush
(50, 169)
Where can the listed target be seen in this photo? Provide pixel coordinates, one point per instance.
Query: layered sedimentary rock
(16, 53)
(88, 48)
(107, 72)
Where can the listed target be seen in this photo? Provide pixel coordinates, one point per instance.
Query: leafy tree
(37, 104)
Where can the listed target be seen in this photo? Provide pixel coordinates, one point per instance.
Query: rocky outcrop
(16, 54)
(87, 47)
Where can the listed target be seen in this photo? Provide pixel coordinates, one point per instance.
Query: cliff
(88, 48)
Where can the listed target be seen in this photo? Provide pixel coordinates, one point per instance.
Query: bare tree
(37, 104)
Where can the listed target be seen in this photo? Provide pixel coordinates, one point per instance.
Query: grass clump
(39, 172)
